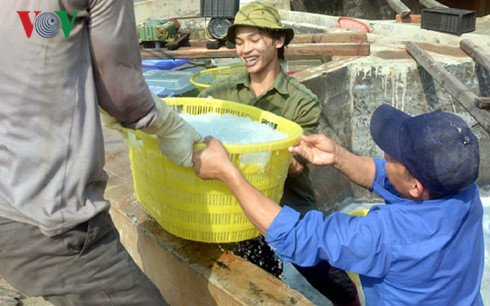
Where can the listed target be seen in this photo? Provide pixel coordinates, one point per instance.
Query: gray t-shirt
(51, 146)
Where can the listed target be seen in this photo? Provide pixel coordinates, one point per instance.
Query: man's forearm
(259, 209)
(359, 169)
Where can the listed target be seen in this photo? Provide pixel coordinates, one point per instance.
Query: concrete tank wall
(351, 89)
(373, 9)
(379, 9)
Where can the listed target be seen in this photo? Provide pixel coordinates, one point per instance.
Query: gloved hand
(175, 136)
(109, 122)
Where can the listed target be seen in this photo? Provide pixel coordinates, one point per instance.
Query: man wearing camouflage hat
(260, 41)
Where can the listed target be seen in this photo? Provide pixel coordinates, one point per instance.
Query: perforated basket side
(195, 209)
(189, 207)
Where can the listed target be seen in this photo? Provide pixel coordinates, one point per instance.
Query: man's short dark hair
(276, 35)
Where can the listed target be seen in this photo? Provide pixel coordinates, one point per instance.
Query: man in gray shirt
(60, 61)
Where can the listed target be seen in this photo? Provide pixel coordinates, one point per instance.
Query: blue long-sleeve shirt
(406, 252)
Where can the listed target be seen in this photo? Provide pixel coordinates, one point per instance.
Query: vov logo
(47, 24)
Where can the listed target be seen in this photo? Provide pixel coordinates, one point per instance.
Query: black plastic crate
(449, 20)
(219, 8)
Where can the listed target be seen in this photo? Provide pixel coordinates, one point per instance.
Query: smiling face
(257, 49)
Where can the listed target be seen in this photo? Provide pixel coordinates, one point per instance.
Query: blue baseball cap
(437, 148)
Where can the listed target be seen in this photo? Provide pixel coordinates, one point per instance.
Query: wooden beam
(458, 90)
(329, 38)
(312, 49)
(477, 53)
(302, 38)
(320, 49)
(399, 7)
(431, 3)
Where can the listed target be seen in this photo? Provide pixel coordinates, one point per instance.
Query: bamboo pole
(431, 3)
(477, 53)
(458, 90)
(399, 7)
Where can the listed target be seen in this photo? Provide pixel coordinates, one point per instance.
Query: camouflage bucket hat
(256, 14)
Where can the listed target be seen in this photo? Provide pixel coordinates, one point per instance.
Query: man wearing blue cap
(425, 247)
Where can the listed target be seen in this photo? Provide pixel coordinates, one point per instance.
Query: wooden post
(431, 3)
(477, 53)
(399, 7)
(458, 90)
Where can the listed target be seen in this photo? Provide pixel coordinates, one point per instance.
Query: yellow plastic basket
(206, 211)
(204, 79)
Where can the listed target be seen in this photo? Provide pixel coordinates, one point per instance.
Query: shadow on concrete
(483, 80)
(429, 89)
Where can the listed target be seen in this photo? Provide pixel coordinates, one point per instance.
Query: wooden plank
(301, 38)
(399, 7)
(458, 90)
(329, 38)
(477, 53)
(322, 49)
(431, 3)
(193, 53)
(319, 49)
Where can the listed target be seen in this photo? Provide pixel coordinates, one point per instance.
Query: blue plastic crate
(171, 80)
(165, 64)
(162, 92)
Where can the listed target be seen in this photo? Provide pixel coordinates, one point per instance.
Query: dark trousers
(87, 265)
(332, 282)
